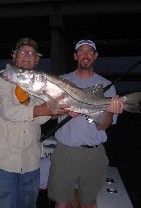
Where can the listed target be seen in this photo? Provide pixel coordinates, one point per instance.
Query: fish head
(16, 75)
(27, 79)
(8, 73)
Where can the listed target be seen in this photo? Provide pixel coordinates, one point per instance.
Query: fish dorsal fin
(96, 90)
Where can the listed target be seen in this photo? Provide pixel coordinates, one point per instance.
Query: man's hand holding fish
(116, 107)
(52, 107)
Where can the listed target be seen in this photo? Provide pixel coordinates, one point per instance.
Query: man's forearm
(42, 110)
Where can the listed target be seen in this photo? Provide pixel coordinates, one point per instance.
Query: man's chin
(85, 68)
(25, 66)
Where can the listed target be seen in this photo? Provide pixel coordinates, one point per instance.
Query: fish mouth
(9, 74)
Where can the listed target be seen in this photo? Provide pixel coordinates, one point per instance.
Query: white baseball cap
(85, 42)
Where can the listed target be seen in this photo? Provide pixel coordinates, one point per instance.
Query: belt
(42, 190)
(88, 146)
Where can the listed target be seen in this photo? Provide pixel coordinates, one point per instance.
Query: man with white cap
(79, 158)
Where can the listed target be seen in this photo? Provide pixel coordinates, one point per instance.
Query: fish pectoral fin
(53, 104)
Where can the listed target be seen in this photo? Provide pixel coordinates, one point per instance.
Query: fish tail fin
(135, 108)
(132, 102)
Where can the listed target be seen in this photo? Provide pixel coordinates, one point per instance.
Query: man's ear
(37, 60)
(75, 57)
(96, 55)
(13, 56)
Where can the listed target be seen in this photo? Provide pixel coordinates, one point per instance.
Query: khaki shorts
(85, 168)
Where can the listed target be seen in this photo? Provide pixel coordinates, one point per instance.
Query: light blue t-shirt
(78, 130)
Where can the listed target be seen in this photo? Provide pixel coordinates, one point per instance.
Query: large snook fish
(90, 101)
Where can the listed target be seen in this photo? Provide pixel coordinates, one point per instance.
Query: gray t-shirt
(78, 130)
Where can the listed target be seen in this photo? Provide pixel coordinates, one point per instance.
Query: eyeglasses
(29, 53)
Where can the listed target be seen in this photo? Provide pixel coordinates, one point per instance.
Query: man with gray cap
(21, 116)
(79, 159)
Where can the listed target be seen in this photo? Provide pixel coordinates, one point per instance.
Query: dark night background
(115, 28)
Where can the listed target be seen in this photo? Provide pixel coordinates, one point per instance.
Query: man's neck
(84, 74)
